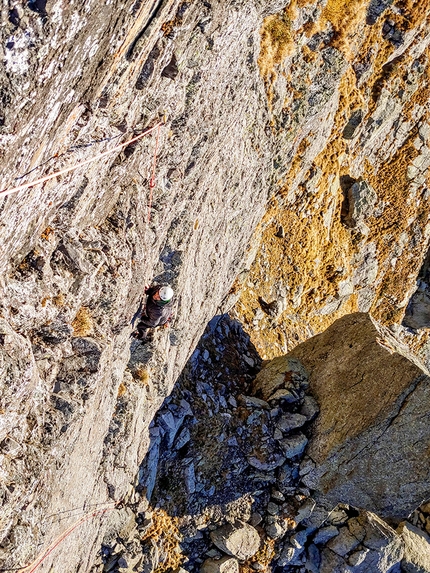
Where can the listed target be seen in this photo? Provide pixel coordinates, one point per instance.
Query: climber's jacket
(157, 312)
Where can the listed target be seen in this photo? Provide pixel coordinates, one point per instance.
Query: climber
(158, 309)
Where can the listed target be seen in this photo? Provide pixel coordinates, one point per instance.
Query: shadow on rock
(220, 455)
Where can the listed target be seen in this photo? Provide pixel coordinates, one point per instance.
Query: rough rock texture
(257, 100)
(76, 251)
(368, 440)
(238, 539)
(416, 558)
(349, 230)
(223, 565)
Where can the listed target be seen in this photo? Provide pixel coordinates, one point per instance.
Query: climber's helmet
(166, 293)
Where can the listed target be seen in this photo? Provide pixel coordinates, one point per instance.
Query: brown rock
(370, 438)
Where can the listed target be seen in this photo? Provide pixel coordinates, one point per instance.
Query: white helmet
(166, 293)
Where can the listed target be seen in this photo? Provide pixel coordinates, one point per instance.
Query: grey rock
(356, 529)
(358, 557)
(290, 556)
(275, 530)
(294, 445)
(256, 518)
(290, 422)
(337, 517)
(223, 565)
(55, 332)
(272, 508)
(317, 519)
(384, 418)
(268, 465)
(255, 402)
(416, 557)
(279, 373)
(305, 510)
(350, 129)
(299, 539)
(283, 395)
(182, 439)
(325, 534)
(417, 314)
(190, 478)
(383, 547)
(362, 199)
(309, 408)
(333, 563)
(313, 561)
(238, 539)
(343, 543)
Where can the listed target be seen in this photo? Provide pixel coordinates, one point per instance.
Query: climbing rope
(6, 192)
(152, 179)
(69, 150)
(43, 556)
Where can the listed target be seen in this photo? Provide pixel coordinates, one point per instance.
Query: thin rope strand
(39, 560)
(152, 180)
(6, 192)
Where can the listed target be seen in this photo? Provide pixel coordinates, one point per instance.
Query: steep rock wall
(349, 229)
(255, 97)
(76, 252)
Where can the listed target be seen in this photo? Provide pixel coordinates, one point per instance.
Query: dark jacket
(156, 312)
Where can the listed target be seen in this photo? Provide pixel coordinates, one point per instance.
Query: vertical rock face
(76, 251)
(253, 97)
(348, 230)
(370, 438)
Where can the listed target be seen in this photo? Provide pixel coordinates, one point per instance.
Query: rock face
(76, 252)
(252, 97)
(369, 439)
(349, 229)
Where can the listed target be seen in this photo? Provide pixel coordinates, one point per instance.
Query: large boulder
(416, 558)
(238, 539)
(371, 438)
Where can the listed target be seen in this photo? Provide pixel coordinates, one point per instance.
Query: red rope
(33, 566)
(152, 180)
(6, 192)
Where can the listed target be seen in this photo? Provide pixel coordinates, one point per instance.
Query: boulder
(416, 558)
(383, 547)
(238, 539)
(369, 441)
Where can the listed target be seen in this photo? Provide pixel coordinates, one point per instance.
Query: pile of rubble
(221, 486)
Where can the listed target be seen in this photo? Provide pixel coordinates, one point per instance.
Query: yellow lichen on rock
(276, 44)
(346, 18)
(310, 262)
(83, 323)
(165, 533)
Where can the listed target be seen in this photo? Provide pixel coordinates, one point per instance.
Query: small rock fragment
(325, 534)
(343, 543)
(294, 445)
(223, 565)
(309, 408)
(290, 422)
